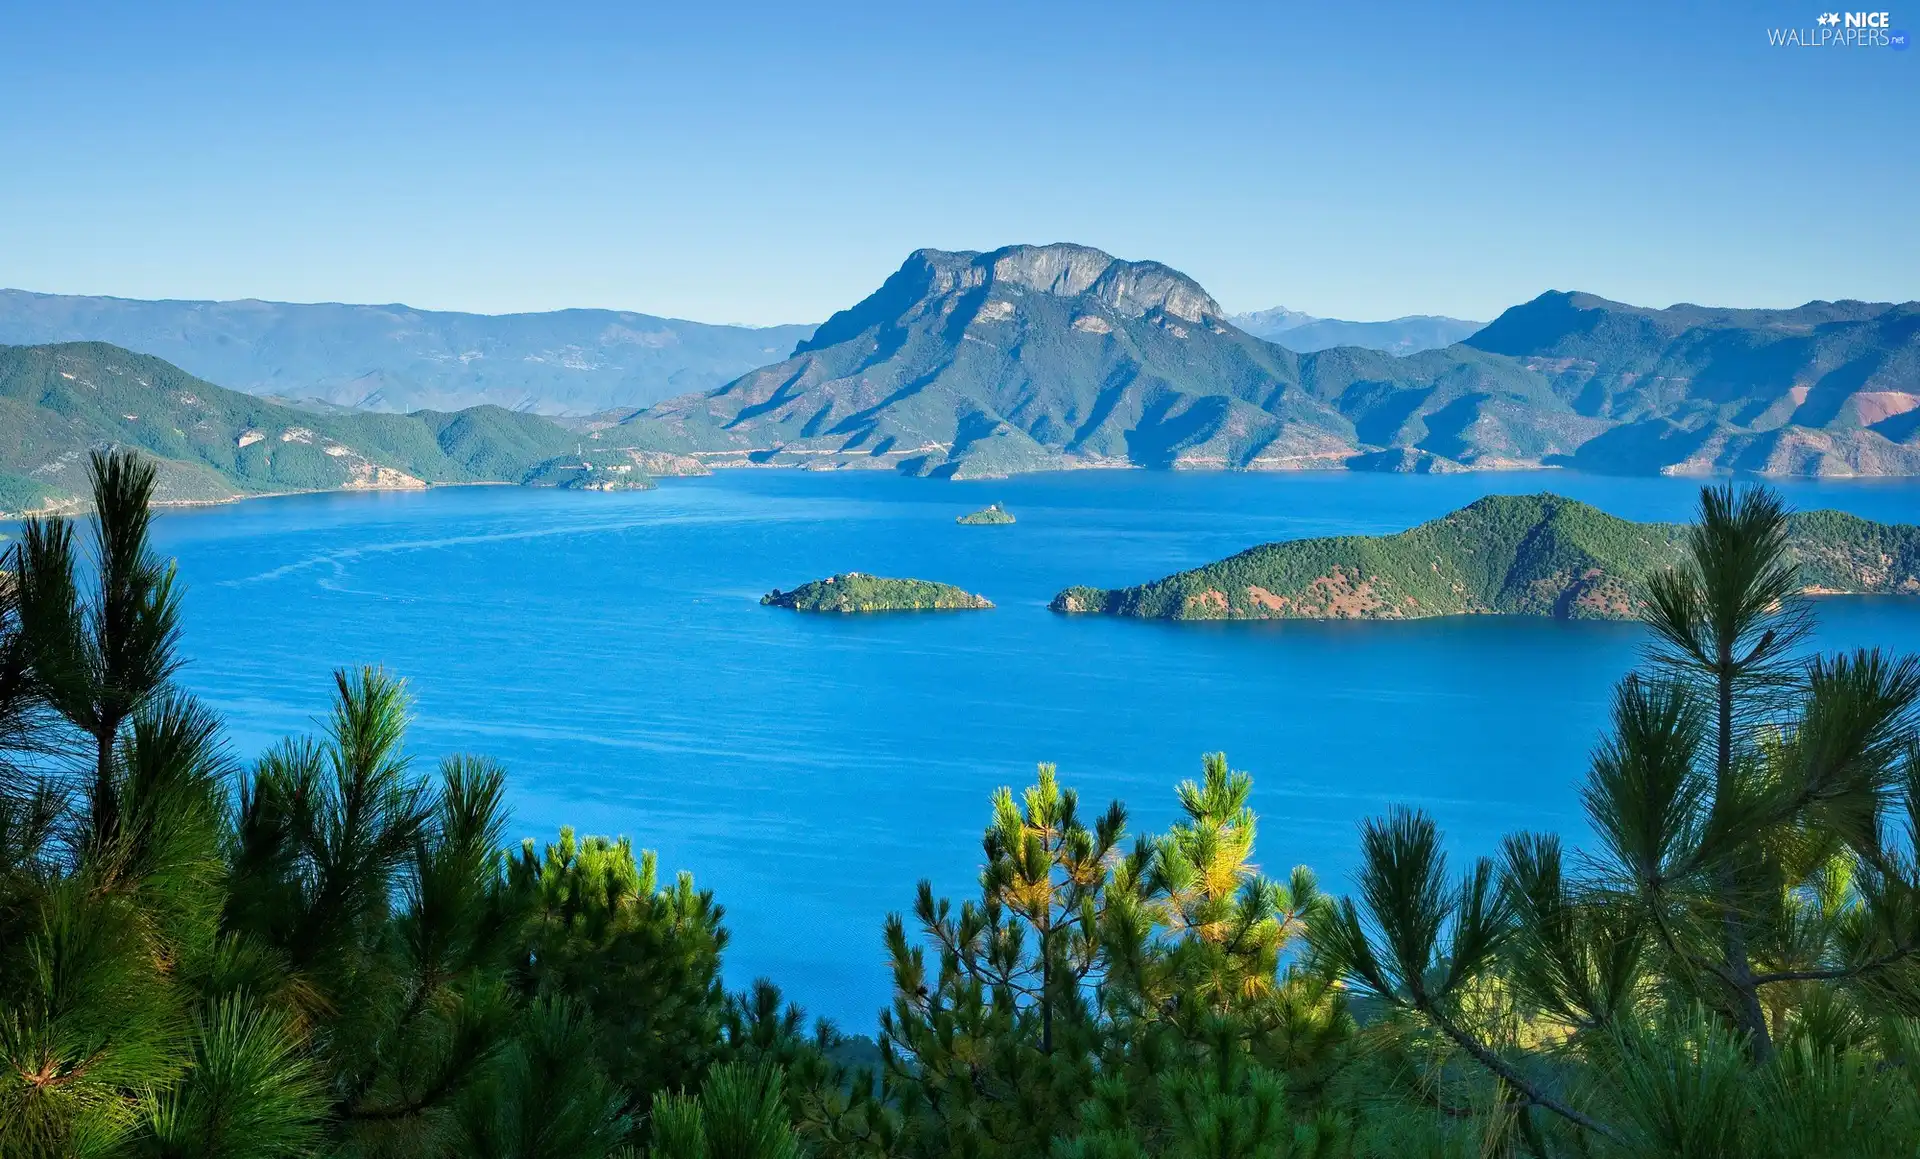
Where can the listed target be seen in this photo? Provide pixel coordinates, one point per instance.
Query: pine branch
(1531, 1092)
(1838, 973)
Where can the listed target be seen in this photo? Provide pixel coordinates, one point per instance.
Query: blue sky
(769, 163)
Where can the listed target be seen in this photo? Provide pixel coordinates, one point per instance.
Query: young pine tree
(996, 1049)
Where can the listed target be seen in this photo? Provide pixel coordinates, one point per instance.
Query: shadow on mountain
(1112, 392)
(1166, 428)
(1447, 427)
(1636, 449)
(1379, 412)
(781, 396)
(1833, 390)
(1900, 427)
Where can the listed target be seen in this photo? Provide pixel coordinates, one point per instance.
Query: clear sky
(770, 163)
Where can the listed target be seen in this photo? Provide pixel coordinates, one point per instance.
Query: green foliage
(739, 1113)
(1109, 996)
(545, 1095)
(642, 960)
(1523, 555)
(101, 657)
(211, 443)
(1002, 1039)
(1708, 982)
(991, 515)
(856, 592)
(833, 1095)
(324, 953)
(88, 1023)
(20, 494)
(249, 1091)
(328, 953)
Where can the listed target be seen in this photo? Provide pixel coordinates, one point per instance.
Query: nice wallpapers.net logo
(1842, 30)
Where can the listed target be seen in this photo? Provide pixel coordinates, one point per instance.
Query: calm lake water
(611, 651)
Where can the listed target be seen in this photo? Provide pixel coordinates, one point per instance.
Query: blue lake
(611, 651)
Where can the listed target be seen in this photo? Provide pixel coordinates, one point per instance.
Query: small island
(854, 592)
(993, 513)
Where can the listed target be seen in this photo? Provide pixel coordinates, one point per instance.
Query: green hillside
(21, 494)
(1844, 554)
(58, 401)
(855, 592)
(1531, 555)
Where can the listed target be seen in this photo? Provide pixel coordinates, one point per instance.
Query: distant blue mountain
(396, 358)
(1305, 333)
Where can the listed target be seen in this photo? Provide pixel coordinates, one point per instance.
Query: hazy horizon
(672, 317)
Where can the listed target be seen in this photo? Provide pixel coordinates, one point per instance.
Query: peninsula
(1524, 555)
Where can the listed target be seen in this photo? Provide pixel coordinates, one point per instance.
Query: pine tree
(1749, 888)
(102, 654)
(98, 925)
(1225, 925)
(643, 960)
(324, 953)
(997, 1047)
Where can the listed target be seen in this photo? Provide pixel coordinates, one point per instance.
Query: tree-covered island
(990, 515)
(857, 592)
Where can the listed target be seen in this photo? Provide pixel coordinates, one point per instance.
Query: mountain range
(396, 358)
(564, 362)
(1824, 388)
(1305, 333)
(962, 364)
(1048, 357)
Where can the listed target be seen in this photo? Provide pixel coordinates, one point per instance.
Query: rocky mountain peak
(1128, 289)
(1131, 289)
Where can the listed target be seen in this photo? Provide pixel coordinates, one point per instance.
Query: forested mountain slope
(1528, 555)
(59, 401)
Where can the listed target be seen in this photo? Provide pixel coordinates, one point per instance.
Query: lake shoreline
(1504, 469)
